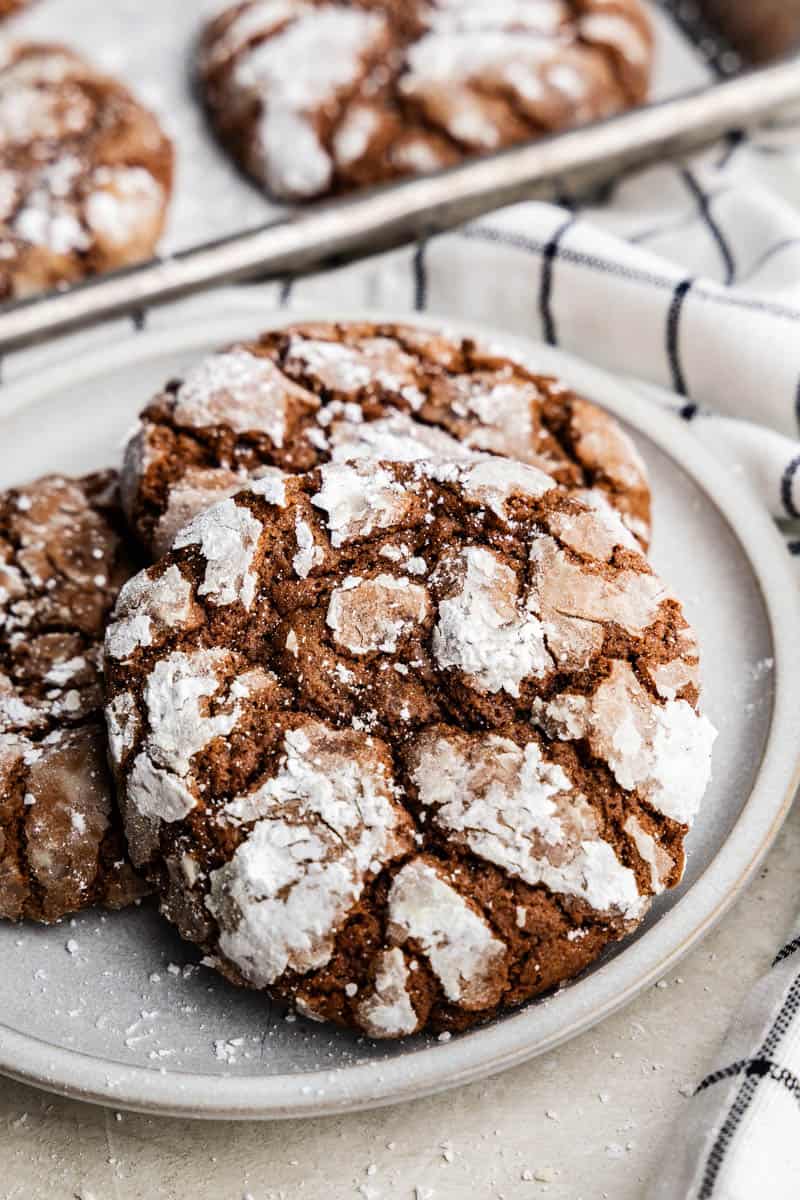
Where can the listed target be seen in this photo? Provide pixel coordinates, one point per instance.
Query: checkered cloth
(738, 1139)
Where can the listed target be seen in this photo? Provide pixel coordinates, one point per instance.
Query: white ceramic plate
(116, 1021)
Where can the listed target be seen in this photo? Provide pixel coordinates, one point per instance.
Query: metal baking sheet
(154, 56)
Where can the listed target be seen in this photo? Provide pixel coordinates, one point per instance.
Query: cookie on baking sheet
(405, 743)
(85, 172)
(320, 96)
(297, 397)
(62, 563)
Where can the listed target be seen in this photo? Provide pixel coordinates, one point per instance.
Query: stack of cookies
(402, 726)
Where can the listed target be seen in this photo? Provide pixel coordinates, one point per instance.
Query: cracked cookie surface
(405, 743)
(85, 172)
(313, 96)
(62, 562)
(297, 397)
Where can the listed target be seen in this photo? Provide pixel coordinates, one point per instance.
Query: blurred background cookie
(7, 7)
(319, 96)
(62, 562)
(300, 396)
(85, 172)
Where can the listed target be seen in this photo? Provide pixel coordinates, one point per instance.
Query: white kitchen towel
(738, 1139)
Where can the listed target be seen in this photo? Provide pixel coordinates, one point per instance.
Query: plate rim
(495, 1047)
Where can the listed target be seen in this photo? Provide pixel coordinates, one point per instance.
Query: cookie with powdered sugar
(320, 96)
(63, 559)
(85, 172)
(298, 397)
(406, 744)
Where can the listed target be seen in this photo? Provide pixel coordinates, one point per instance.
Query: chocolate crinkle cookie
(405, 743)
(62, 563)
(320, 96)
(85, 172)
(301, 396)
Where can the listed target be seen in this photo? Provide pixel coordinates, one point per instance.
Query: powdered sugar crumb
(460, 947)
(228, 536)
(484, 629)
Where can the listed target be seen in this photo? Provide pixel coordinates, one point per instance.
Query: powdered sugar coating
(241, 391)
(271, 484)
(483, 629)
(303, 66)
(387, 1012)
(663, 750)
(598, 534)
(157, 794)
(359, 500)
(123, 202)
(545, 17)
(614, 30)
(167, 603)
(601, 442)
(357, 393)
(228, 536)
(196, 491)
(445, 65)
(674, 677)
(309, 554)
(174, 695)
(494, 481)
(355, 133)
(324, 822)
(254, 21)
(350, 369)
(369, 615)
(573, 604)
(122, 722)
(514, 808)
(393, 439)
(463, 953)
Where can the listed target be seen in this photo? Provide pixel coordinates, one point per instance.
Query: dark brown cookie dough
(62, 562)
(405, 743)
(320, 96)
(300, 396)
(85, 172)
